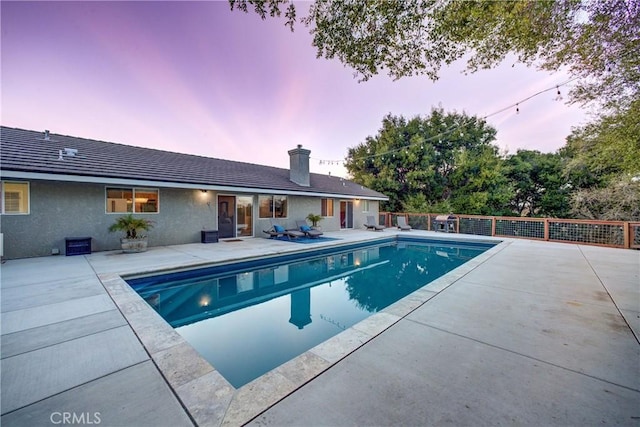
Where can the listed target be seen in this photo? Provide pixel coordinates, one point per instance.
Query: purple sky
(194, 77)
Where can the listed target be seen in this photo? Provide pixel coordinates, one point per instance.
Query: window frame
(365, 206)
(324, 207)
(3, 201)
(133, 198)
(272, 205)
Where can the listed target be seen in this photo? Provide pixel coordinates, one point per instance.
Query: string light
(558, 94)
(447, 131)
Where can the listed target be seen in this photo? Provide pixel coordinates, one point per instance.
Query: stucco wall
(60, 209)
(300, 207)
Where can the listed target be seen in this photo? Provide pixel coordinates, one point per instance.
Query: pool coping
(205, 393)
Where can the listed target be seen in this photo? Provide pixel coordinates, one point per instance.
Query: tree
(603, 166)
(479, 185)
(413, 161)
(539, 185)
(601, 151)
(618, 201)
(598, 41)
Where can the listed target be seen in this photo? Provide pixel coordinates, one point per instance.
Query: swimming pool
(250, 317)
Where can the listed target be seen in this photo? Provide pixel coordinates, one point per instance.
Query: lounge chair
(277, 230)
(371, 224)
(402, 224)
(308, 231)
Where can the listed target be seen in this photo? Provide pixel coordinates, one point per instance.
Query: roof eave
(167, 184)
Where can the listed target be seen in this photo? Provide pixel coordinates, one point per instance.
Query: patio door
(235, 216)
(346, 214)
(244, 215)
(226, 216)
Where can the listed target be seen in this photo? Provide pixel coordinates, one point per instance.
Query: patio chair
(402, 224)
(308, 231)
(278, 230)
(371, 224)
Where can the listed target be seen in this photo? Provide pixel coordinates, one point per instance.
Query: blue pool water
(251, 317)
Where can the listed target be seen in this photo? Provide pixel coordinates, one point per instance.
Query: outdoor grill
(445, 223)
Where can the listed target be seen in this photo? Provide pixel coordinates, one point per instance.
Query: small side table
(209, 236)
(77, 246)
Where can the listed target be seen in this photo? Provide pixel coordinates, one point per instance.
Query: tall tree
(412, 161)
(479, 185)
(604, 149)
(603, 166)
(539, 184)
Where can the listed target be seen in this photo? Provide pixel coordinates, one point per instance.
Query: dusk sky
(194, 77)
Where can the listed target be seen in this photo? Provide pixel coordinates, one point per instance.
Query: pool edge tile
(376, 324)
(181, 364)
(303, 368)
(256, 397)
(337, 347)
(207, 398)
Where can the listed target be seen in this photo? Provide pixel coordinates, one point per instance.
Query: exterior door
(244, 211)
(346, 214)
(226, 216)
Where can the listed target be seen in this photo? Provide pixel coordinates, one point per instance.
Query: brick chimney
(299, 166)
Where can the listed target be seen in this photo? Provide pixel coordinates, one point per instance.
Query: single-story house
(56, 187)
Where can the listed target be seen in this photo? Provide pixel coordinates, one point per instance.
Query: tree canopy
(444, 161)
(603, 166)
(539, 185)
(597, 41)
(604, 149)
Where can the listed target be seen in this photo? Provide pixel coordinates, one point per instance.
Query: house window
(272, 206)
(15, 198)
(326, 208)
(265, 206)
(138, 200)
(365, 206)
(280, 206)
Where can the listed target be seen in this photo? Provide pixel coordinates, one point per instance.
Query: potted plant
(315, 219)
(131, 226)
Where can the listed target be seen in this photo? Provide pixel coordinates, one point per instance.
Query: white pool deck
(528, 333)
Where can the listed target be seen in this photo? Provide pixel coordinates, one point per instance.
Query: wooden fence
(616, 234)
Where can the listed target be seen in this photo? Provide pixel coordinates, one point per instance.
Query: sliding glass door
(346, 214)
(244, 207)
(235, 216)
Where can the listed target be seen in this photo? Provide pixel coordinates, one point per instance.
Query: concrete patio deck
(529, 333)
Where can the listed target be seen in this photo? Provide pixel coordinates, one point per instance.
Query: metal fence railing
(634, 235)
(617, 234)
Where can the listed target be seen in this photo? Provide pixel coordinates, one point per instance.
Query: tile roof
(28, 151)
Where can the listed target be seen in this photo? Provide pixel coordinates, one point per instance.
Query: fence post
(428, 222)
(627, 235)
(493, 226)
(546, 229)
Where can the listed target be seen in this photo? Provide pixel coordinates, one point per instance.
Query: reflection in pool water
(246, 323)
